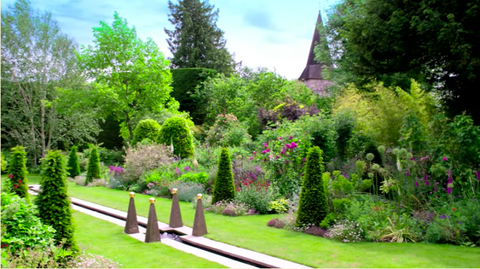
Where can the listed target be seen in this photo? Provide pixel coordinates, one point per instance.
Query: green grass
(107, 239)
(252, 233)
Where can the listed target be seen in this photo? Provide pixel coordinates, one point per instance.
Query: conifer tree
(196, 40)
(312, 207)
(53, 202)
(224, 187)
(93, 170)
(73, 167)
(17, 172)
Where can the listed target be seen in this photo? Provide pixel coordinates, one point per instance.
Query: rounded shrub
(93, 170)
(224, 187)
(52, 201)
(175, 132)
(146, 129)
(313, 206)
(17, 172)
(73, 166)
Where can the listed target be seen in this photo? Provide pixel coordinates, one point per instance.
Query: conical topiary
(224, 187)
(93, 170)
(17, 172)
(52, 201)
(73, 166)
(313, 206)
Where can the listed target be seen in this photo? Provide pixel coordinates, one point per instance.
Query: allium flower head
(444, 159)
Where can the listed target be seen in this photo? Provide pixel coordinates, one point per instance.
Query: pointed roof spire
(313, 70)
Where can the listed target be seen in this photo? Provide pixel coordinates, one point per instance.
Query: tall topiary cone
(73, 166)
(52, 201)
(93, 170)
(224, 188)
(313, 206)
(17, 172)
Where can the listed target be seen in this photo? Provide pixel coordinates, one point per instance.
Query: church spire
(313, 69)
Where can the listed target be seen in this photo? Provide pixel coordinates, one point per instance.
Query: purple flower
(257, 169)
(412, 159)
(287, 161)
(416, 183)
(459, 196)
(187, 168)
(442, 217)
(264, 160)
(478, 175)
(288, 146)
(283, 150)
(460, 222)
(449, 190)
(293, 145)
(276, 157)
(444, 159)
(408, 173)
(304, 159)
(290, 137)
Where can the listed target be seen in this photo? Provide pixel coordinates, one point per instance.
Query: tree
(17, 172)
(132, 74)
(196, 40)
(374, 40)
(93, 169)
(37, 59)
(53, 202)
(73, 166)
(224, 187)
(312, 206)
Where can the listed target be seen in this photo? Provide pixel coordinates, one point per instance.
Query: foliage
(175, 132)
(73, 166)
(3, 163)
(132, 75)
(229, 208)
(196, 40)
(187, 191)
(345, 231)
(93, 170)
(361, 34)
(283, 158)
(54, 257)
(21, 228)
(224, 188)
(187, 87)
(313, 207)
(33, 112)
(201, 178)
(290, 110)
(146, 129)
(17, 172)
(257, 196)
(111, 156)
(53, 202)
(143, 158)
(279, 206)
(227, 132)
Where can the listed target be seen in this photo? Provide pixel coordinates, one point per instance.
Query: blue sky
(275, 34)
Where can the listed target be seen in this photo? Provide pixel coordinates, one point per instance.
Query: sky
(275, 34)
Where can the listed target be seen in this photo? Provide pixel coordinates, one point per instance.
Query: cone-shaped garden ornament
(153, 233)
(199, 225)
(175, 215)
(131, 226)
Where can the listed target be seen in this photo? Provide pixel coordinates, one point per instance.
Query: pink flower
(290, 137)
(254, 152)
(280, 138)
(444, 159)
(264, 151)
(288, 146)
(20, 181)
(251, 158)
(265, 144)
(287, 161)
(268, 150)
(293, 145)
(276, 157)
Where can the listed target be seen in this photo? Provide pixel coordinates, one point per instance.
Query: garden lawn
(107, 239)
(251, 232)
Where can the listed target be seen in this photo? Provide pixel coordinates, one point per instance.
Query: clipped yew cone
(153, 233)
(175, 215)
(131, 226)
(199, 225)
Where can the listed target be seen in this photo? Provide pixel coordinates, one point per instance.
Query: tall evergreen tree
(53, 202)
(18, 172)
(196, 40)
(93, 169)
(224, 187)
(73, 166)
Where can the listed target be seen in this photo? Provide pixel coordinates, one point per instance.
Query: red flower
(20, 181)
(15, 186)
(454, 208)
(10, 176)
